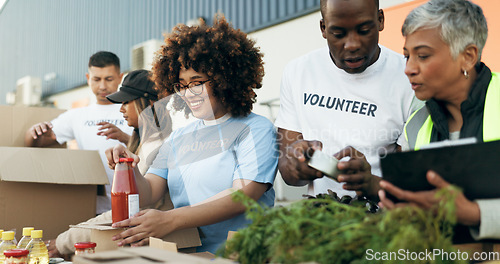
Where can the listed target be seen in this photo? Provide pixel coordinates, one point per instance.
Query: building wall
(391, 35)
(41, 37)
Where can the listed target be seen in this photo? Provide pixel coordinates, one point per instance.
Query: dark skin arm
(357, 173)
(358, 176)
(294, 152)
(292, 164)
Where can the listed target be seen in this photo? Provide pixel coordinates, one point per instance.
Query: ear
(88, 78)
(381, 20)
(470, 57)
(322, 27)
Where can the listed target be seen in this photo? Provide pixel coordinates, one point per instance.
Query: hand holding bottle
(119, 151)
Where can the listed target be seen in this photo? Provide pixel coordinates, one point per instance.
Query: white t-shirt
(367, 110)
(81, 124)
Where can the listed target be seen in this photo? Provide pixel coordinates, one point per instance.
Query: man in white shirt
(94, 127)
(350, 99)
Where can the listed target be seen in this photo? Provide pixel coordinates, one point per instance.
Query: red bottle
(124, 193)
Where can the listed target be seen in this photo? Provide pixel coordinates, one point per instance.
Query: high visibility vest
(418, 128)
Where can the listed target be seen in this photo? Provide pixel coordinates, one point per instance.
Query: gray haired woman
(444, 41)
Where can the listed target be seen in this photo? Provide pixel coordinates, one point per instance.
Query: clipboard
(473, 167)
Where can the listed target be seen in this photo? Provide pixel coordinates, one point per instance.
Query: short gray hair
(461, 23)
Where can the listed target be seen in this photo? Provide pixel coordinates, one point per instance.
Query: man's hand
(111, 131)
(467, 211)
(356, 173)
(40, 135)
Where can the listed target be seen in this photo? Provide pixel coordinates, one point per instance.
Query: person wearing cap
(152, 124)
(94, 127)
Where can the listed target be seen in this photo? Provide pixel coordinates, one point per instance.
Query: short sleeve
(287, 116)
(62, 126)
(160, 164)
(257, 153)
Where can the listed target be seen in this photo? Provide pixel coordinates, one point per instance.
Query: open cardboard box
(143, 255)
(185, 240)
(47, 188)
(17, 119)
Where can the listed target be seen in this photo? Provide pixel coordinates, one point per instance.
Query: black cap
(135, 85)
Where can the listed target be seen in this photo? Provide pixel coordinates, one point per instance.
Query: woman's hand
(145, 224)
(111, 131)
(119, 151)
(467, 211)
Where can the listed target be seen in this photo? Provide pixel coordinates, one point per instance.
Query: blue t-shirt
(200, 160)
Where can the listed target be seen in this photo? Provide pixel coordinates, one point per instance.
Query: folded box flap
(97, 225)
(163, 255)
(44, 165)
(17, 119)
(184, 238)
(110, 255)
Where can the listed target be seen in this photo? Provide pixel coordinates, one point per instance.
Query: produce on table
(324, 230)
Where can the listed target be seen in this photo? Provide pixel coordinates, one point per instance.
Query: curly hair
(229, 58)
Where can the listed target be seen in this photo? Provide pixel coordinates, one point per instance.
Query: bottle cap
(17, 252)
(27, 231)
(8, 235)
(126, 160)
(37, 233)
(82, 245)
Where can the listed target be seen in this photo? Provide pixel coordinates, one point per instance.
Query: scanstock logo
(339, 104)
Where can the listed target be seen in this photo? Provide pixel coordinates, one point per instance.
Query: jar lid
(8, 235)
(81, 245)
(17, 252)
(27, 231)
(36, 233)
(126, 160)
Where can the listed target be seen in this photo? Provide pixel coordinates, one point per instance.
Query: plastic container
(82, 248)
(26, 237)
(16, 256)
(124, 193)
(38, 251)
(7, 243)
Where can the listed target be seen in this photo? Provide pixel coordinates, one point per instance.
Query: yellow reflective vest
(418, 128)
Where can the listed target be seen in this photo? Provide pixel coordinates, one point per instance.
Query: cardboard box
(48, 189)
(17, 119)
(181, 240)
(143, 255)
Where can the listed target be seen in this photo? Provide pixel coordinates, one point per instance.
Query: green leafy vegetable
(326, 230)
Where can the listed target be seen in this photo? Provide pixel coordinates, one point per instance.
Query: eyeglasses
(195, 87)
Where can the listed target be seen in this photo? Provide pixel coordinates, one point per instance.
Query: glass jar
(16, 256)
(124, 192)
(82, 248)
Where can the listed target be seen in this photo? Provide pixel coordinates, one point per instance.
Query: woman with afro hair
(211, 72)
